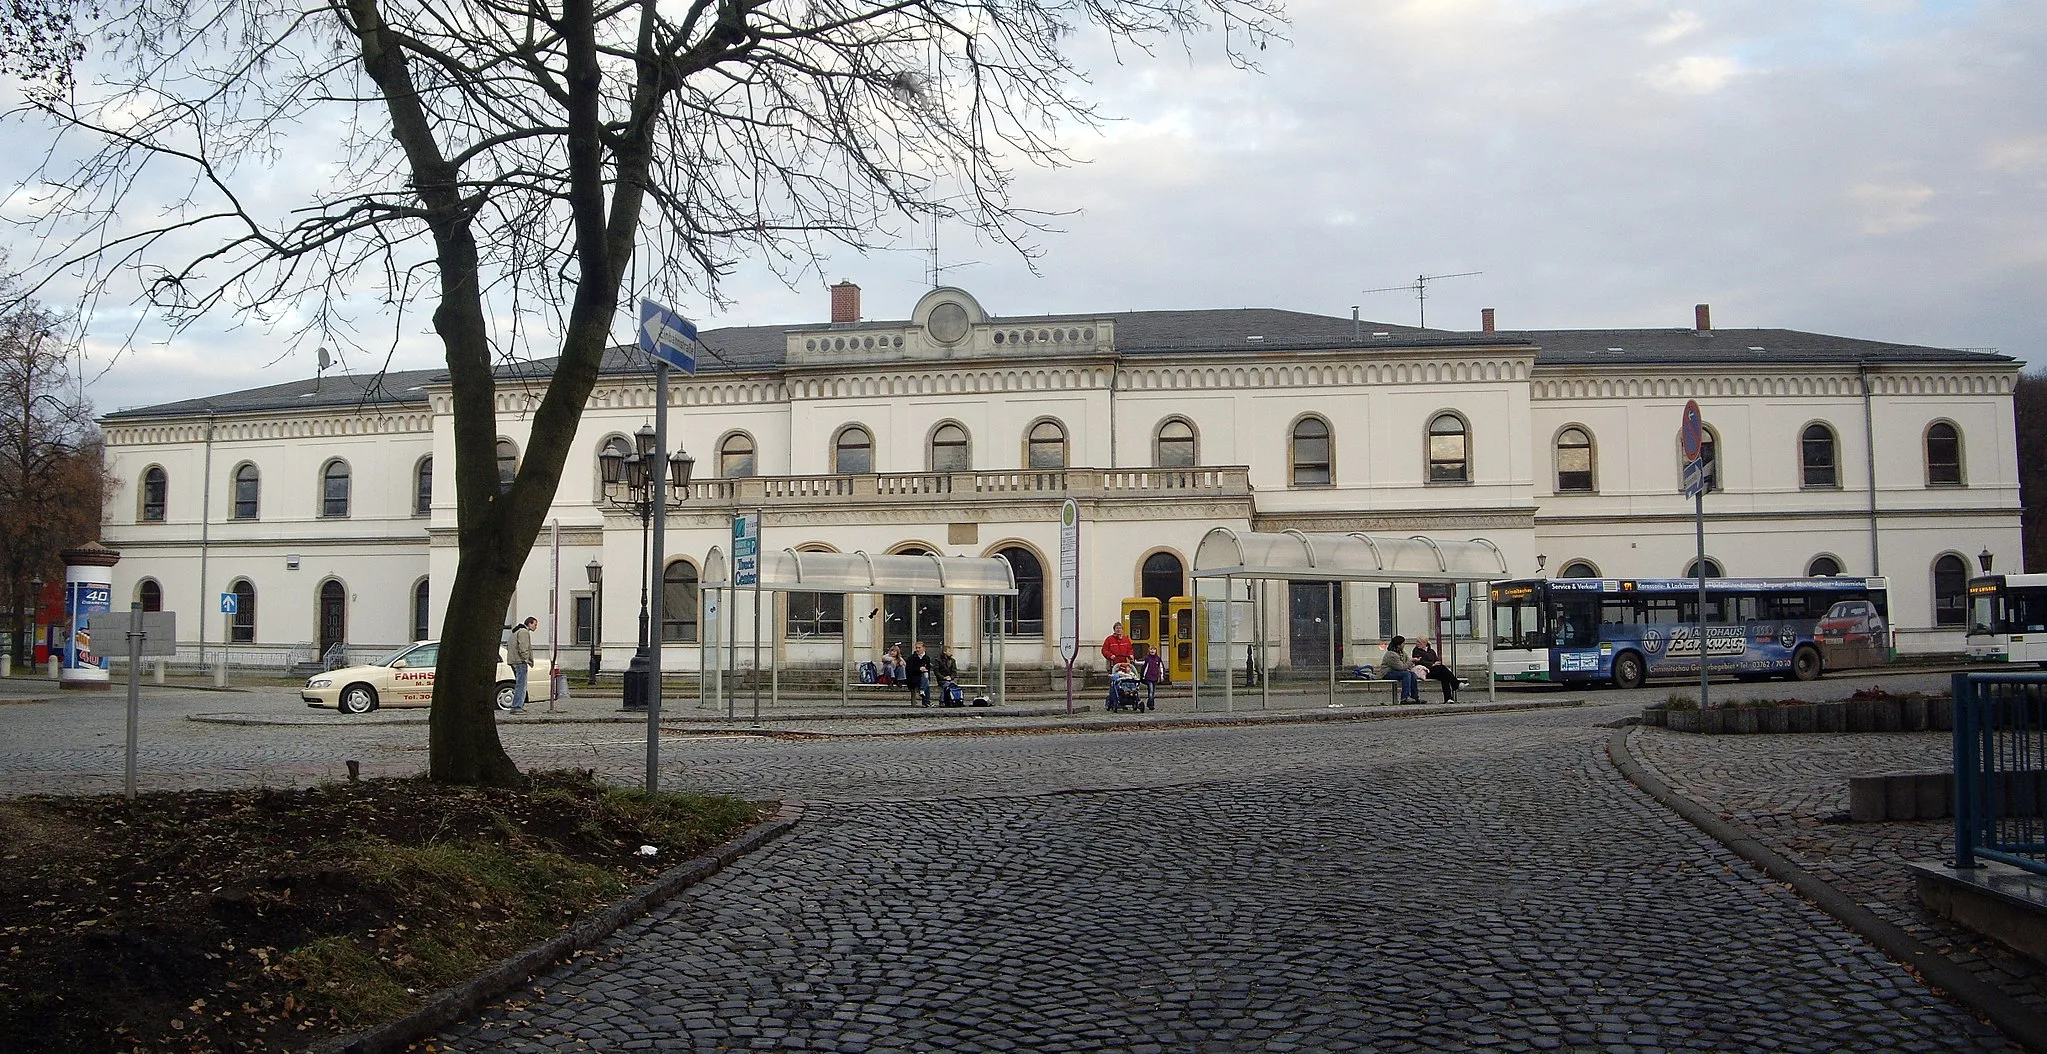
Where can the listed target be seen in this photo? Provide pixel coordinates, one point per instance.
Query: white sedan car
(406, 678)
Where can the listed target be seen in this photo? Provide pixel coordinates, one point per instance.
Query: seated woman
(1398, 667)
(1429, 664)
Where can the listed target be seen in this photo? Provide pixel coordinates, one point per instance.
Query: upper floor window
(242, 624)
(334, 489)
(508, 465)
(423, 489)
(949, 449)
(1449, 449)
(735, 457)
(1175, 445)
(150, 595)
(1950, 590)
(1816, 457)
(679, 602)
(1943, 455)
(1823, 567)
(853, 451)
(1045, 446)
(156, 485)
(1574, 461)
(1309, 454)
(248, 488)
(1709, 452)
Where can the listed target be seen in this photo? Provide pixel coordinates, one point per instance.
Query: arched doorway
(1162, 578)
(333, 615)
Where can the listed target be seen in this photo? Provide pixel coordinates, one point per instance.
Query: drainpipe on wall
(1115, 374)
(205, 527)
(1876, 566)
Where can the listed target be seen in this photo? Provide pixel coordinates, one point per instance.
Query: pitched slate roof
(396, 390)
(1687, 347)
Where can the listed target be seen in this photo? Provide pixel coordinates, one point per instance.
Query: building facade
(953, 431)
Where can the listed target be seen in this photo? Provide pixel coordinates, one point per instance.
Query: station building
(327, 504)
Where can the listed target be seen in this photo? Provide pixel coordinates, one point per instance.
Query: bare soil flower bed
(271, 919)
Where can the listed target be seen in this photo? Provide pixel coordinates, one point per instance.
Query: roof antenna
(1421, 290)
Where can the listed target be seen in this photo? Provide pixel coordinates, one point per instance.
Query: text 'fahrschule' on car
(406, 678)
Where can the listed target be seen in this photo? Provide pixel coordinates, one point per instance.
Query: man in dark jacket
(917, 669)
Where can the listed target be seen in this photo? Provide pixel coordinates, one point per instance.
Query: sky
(1868, 168)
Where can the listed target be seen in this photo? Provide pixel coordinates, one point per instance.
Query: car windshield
(413, 654)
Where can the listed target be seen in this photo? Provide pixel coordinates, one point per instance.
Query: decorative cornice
(1437, 520)
(184, 431)
(1768, 381)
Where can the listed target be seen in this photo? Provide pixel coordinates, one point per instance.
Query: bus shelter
(1295, 556)
(847, 574)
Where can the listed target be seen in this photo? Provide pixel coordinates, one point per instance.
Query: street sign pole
(1069, 590)
(667, 338)
(1694, 434)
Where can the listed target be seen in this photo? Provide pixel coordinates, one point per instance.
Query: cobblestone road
(1473, 883)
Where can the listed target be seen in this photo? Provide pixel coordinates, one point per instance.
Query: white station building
(327, 504)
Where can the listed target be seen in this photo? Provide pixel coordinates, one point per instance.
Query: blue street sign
(1695, 477)
(746, 547)
(229, 603)
(668, 336)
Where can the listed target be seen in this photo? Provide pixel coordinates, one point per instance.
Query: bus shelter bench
(1391, 689)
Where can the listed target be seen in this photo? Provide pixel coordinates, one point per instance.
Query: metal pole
(1261, 604)
(1699, 522)
(657, 510)
(732, 644)
(1229, 643)
(134, 691)
(776, 621)
(1332, 643)
(845, 651)
(1194, 668)
(760, 562)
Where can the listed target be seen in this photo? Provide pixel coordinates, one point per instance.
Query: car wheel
(1627, 670)
(1805, 664)
(505, 689)
(358, 699)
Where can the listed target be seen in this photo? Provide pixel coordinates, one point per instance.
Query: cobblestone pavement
(1792, 792)
(1455, 883)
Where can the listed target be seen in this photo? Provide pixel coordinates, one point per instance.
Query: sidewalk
(1789, 794)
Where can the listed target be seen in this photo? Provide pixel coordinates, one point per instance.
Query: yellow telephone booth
(1181, 657)
(1141, 623)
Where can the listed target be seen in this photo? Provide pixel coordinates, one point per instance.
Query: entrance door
(333, 616)
(1312, 623)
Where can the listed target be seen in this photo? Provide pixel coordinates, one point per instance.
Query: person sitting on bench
(1400, 668)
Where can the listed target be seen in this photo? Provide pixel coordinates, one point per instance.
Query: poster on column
(86, 599)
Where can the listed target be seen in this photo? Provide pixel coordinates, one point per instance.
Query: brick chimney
(1485, 320)
(1702, 318)
(845, 302)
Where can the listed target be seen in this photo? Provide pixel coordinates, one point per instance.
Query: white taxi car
(406, 678)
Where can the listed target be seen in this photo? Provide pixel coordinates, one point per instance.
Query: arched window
(906, 619)
(735, 456)
(1816, 457)
(248, 488)
(1308, 454)
(949, 450)
(423, 489)
(1943, 455)
(679, 602)
(1045, 446)
(1578, 569)
(813, 616)
(1025, 614)
(1163, 577)
(1823, 567)
(242, 624)
(150, 595)
(1950, 590)
(1574, 461)
(1175, 445)
(334, 489)
(1709, 452)
(421, 628)
(156, 485)
(1712, 569)
(508, 465)
(1449, 449)
(853, 451)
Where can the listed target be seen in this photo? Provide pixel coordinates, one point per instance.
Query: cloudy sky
(1873, 168)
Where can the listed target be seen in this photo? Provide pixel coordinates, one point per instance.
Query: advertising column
(88, 591)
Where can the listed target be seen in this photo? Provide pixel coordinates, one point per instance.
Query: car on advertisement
(405, 678)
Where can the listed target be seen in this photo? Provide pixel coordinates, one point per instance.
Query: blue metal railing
(2001, 769)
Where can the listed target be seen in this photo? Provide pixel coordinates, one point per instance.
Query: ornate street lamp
(629, 487)
(595, 569)
(1983, 559)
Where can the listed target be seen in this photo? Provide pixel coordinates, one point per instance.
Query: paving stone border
(2012, 1017)
(450, 1005)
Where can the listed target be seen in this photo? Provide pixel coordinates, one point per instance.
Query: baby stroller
(1126, 689)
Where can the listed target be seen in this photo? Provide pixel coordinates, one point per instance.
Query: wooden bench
(1391, 688)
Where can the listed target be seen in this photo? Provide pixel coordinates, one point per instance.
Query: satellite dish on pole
(326, 360)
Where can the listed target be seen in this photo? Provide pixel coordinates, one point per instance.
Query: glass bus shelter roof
(787, 570)
(1225, 552)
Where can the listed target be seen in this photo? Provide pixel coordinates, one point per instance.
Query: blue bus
(1627, 630)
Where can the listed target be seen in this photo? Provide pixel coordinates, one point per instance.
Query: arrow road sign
(668, 336)
(229, 602)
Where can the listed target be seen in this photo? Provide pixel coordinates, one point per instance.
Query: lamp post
(595, 569)
(629, 486)
(35, 604)
(1983, 559)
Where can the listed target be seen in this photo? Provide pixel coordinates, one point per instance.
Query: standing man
(917, 668)
(522, 661)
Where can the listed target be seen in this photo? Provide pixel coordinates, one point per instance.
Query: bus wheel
(1805, 664)
(1627, 670)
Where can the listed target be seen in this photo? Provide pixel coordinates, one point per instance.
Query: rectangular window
(816, 615)
(583, 618)
(1387, 627)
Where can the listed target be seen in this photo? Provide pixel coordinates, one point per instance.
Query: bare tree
(52, 475)
(526, 167)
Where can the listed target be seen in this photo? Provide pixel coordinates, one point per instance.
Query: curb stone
(2014, 1019)
(452, 1004)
